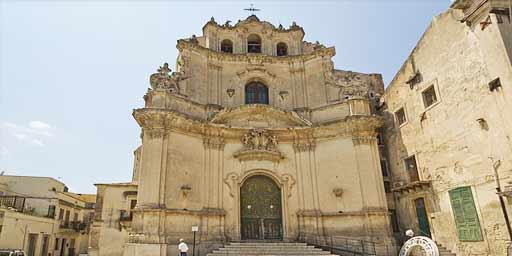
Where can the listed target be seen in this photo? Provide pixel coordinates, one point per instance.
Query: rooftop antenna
(252, 9)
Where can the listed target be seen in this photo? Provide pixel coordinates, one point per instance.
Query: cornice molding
(159, 121)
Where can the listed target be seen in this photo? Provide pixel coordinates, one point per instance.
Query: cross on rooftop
(252, 9)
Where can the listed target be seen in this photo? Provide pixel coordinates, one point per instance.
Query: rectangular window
(412, 168)
(44, 248)
(56, 246)
(464, 212)
(384, 168)
(400, 116)
(51, 211)
(61, 214)
(32, 240)
(75, 217)
(429, 96)
(66, 219)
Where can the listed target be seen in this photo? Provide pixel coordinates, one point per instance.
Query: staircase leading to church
(443, 251)
(299, 249)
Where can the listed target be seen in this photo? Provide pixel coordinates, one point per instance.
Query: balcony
(22, 205)
(15, 202)
(74, 225)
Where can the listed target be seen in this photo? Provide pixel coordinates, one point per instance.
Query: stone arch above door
(233, 180)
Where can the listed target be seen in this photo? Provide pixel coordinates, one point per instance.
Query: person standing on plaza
(182, 247)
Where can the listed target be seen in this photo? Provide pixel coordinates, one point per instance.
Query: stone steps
(268, 249)
(443, 251)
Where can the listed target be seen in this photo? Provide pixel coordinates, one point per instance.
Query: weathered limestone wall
(452, 148)
(108, 233)
(16, 228)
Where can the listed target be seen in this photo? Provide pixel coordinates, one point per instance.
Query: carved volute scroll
(232, 180)
(288, 182)
(259, 145)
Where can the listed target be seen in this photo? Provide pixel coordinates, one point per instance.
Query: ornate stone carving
(289, 182)
(213, 142)
(163, 81)
(259, 145)
(304, 144)
(259, 140)
(283, 95)
(155, 133)
(338, 192)
(230, 92)
(358, 140)
(232, 180)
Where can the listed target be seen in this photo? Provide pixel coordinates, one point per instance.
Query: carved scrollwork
(259, 145)
(289, 182)
(163, 80)
(358, 140)
(155, 133)
(304, 144)
(232, 180)
(259, 140)
(214, 142)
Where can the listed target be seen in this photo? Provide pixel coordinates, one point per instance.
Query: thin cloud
(39, 125)
(34, 133)
(38, 142)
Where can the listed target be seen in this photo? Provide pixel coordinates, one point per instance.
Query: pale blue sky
(72, 71)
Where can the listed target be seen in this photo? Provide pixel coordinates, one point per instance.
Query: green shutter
(464, 212)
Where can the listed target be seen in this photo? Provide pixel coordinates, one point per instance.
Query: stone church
(254, 137)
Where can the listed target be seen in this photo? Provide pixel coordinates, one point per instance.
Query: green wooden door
(464, 212)
(421, 214)
(260, 208)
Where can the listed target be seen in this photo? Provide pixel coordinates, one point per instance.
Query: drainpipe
(495, 166)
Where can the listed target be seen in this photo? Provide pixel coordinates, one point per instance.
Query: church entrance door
(260, 208)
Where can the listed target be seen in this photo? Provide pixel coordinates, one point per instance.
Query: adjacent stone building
(39, 216)
(254, 137)
(448, 130)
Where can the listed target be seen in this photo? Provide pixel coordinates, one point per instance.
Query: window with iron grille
(429, 96)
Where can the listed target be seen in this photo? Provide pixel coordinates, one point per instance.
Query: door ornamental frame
(285, 182)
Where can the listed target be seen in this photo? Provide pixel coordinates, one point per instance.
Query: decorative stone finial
(193, 39)
(162, 80)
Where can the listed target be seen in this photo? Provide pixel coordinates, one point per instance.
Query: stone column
(153, 155)
(372, 185)
(148, 236)
(307, 186)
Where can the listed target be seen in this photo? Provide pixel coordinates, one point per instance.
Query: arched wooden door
(260, 208)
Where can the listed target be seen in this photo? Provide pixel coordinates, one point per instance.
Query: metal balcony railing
(15, 202)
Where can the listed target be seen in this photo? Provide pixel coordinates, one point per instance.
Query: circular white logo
(424, 242)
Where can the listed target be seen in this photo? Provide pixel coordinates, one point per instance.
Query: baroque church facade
(255, 137)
